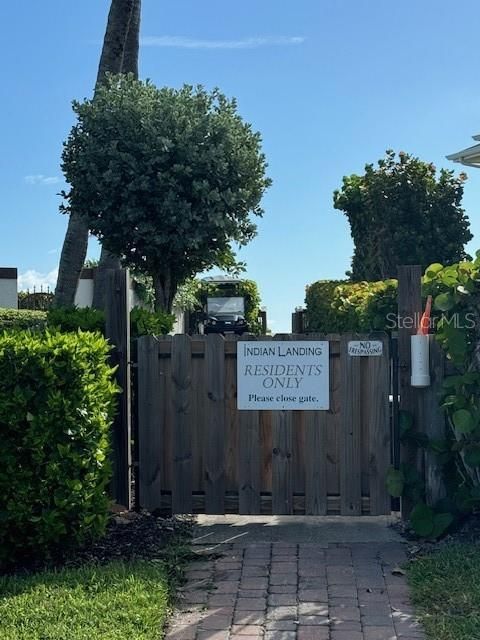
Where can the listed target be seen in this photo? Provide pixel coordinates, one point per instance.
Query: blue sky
(329, 83)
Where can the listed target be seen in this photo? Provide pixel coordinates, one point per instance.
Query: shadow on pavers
(248, 530)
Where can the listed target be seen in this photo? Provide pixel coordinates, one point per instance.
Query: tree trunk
(75, 245)
(132, 44)
(118, 25)
(165, 289)
(129, 65)
(72, 258)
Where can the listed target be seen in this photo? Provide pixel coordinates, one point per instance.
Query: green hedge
(21, 319)
(336, 306)
(142, 321)
(56, 405)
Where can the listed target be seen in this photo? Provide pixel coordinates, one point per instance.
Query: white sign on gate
(365, 348)
(283, 375)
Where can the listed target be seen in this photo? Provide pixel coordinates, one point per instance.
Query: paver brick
(345, 613)
(282, 613)
(342, 591)
(249, 617)
(276, 599)
(283, 588)
(182, 632)
(212, 634)
(253, 583)
(337, 634)
(284, 578)
(226, 586)
(312, 595)
(346, 625)
(280, 635)
(283, 567)
(252, 630)
(314, 621)
(282, 625)
(218, 623)
(250, 604)
(379, 633)
(252, 593)
(222, 599)
(312, 633)
(313, 609)
(227, 575)
(255, 571)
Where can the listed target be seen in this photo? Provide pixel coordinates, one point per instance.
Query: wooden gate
(198, 453)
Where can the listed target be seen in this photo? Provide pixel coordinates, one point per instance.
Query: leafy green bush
(21, 319)
(74, 318)
(146, 323)
(456, 322)
(56, 405)
(336, 306)
(142, 321)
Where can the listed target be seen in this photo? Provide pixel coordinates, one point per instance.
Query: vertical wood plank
(433, 420)
(231, 416)
(199, 400)
(350, 480)
(282, 446)
(249, 451)
(117, 331)
(409, 313)
(333, 420)
(378, 408)
(316, 463)
(182, 437)
(151, 392)
(214, 452)
(249, 459)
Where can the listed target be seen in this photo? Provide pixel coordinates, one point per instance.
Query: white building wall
(8, 288)
(84, 295)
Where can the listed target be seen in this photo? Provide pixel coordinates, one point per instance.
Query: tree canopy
(165, 178)
(402, 212)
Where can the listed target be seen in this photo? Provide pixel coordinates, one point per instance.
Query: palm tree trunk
(129, 65)
(72, 258)
(75, 245)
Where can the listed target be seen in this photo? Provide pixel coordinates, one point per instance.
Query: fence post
(409, 313)
(433, 419)
(117, 331)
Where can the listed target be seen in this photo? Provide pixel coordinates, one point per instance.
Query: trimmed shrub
(335, 306)
(56, 406)
(74, 318)
(146, 323)
(21, 319)
(142, 321)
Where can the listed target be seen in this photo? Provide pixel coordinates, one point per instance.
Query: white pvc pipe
(420, 348)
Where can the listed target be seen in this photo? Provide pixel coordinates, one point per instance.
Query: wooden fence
(198, 452)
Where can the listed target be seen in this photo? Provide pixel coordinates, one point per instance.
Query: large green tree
(167, 179)
(119, 54)
(402, 212)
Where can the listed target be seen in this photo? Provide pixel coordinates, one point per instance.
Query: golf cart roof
(221, 280)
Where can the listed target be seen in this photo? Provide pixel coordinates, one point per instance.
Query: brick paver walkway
(280, 591)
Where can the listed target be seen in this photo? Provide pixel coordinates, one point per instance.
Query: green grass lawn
(446, 592)
(117, 601)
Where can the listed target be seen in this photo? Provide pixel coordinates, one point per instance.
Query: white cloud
(32, 278)
(196, 43)
(52, 251)
(41, 179)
